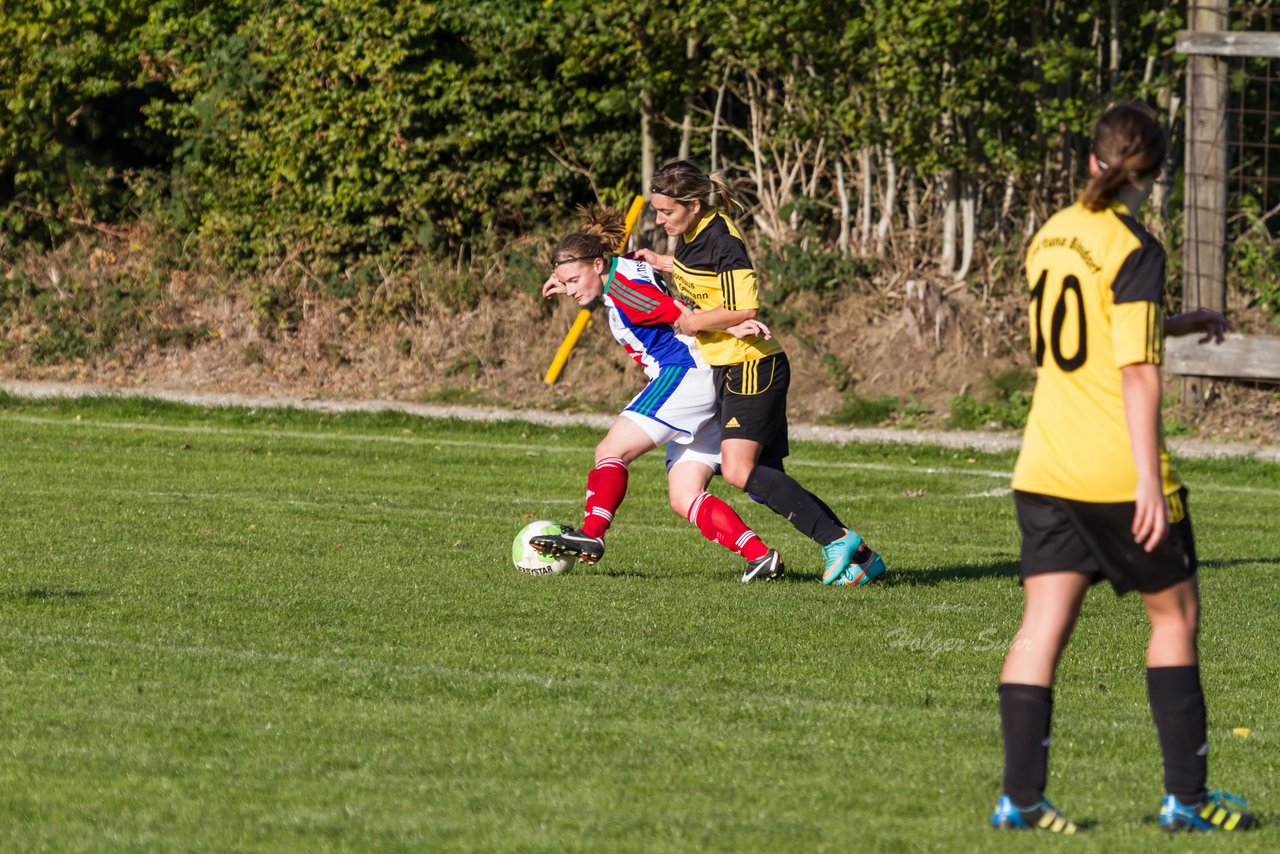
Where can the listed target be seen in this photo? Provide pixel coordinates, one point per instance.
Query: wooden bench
(1253, 357)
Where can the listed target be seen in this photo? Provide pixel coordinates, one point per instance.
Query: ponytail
(686, 184)
(599, 236)
(722, 195)
(1130, 146)
(605, 223)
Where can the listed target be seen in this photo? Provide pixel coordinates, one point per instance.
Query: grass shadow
(623, 572)
(1010, 569)
(1238, 561)
(930, 576)
(41, 594)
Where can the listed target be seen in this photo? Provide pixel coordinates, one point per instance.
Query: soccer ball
(533, 562)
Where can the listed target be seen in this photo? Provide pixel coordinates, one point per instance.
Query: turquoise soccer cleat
(864, 571)
(837, 555)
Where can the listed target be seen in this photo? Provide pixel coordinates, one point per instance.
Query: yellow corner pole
(584, 316)
(566, 346)
(633, 216)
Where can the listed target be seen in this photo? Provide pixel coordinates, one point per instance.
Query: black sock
(794, 503)
(1025, 714)
(836, 524)
(1177, 704)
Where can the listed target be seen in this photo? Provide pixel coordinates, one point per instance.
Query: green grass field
(264, 630)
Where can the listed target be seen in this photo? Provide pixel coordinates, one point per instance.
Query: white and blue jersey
(641, 312)
(679, 403)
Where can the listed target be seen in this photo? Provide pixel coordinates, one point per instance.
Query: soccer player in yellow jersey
(713, 275)
(1095, 494)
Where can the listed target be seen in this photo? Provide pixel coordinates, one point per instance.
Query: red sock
(606, 487)
(720, 524)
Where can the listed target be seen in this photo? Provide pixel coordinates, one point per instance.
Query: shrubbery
(352, 137)
(334, 131)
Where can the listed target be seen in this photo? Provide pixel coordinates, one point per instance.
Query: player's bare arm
(1140, 385)
(722, 319)
(1212, 325)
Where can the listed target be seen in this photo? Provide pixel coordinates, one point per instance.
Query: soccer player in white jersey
(677, 408)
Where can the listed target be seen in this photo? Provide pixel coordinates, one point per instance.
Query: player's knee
(735, 475)
(683, 491)
(1175, 610)
(1180, 623)
(1046, 631)
(609, 450)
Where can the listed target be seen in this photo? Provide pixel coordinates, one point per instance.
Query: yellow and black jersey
(1097, 291)
(712, 270)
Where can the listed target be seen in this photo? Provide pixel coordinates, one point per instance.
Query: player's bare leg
(687, 480)
(1175, 624)
(1026, 700)
(737, 458)
(606, 487)
(625, 441)
(1052, 605)
(718, 522)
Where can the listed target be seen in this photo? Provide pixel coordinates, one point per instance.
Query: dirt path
(1196, 448)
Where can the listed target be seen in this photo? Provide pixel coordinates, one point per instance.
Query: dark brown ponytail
(601, 232)
(1130, 147)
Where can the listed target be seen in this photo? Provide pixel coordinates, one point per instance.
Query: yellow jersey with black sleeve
(712, 270)
(1096, 282)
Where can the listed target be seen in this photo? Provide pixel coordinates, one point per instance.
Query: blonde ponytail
(686, 184)
(722, 195)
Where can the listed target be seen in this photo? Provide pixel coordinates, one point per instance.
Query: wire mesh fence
(1231, 204)
(1254, 176)
(1232, 174)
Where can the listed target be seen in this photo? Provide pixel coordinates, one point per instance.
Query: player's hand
(750, 327)
(661, 263)
(685, 324)
(1150, 516)
(1215, 326)
(552, 286)
(1212, 324)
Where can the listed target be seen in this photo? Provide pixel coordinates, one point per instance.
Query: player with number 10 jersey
(1097, 295)
(1093, 489)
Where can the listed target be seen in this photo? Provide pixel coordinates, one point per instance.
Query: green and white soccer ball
(533, 562)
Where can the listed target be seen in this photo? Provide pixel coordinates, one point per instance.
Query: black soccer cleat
(571, 542)
(765, 568)
(1219, 811)
(1039, 816)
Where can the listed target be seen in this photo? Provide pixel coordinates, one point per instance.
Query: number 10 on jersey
(1058, 320)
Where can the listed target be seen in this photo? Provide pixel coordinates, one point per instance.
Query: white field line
(255, 499)
(534, 451)
(258, 433)
(1195, 448)
(998, 492)
(355, 668)
(918, 647)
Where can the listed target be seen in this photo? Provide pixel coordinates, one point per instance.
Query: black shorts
(752, 398)
(1060, 535)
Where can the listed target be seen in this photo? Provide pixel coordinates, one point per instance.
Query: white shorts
(678, 409)
(705, 448)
